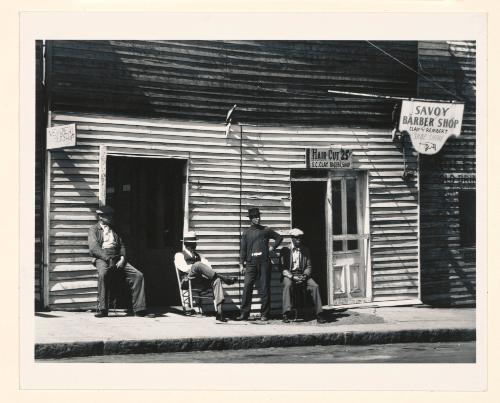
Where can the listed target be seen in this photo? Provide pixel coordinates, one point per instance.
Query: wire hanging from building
(413, 70)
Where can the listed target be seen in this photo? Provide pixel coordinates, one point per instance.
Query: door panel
(345, 239)
(339, 289)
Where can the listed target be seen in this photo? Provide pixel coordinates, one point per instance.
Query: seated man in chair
(108, 251)
(296, 266)
(199, 270)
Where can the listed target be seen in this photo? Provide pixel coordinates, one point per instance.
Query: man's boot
(219, 317)
(226, 280)
(102, 313)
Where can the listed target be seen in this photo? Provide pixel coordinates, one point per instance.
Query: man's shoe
(286, 318)
(320, 319)
(101, 314)
(228, 280)
(242, 316)
(264, 318)
(220, 318)
(145, 314)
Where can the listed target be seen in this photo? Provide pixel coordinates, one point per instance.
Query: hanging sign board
(61, 136)
(429, 124)
(329, 158)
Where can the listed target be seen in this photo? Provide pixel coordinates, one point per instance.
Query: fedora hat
(253, 212)
(190, 236)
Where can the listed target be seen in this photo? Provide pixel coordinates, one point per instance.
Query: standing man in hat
(109, 253)
(297, 268)
(197, 268)
(254, 263)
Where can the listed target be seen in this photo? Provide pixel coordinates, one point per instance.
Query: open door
(330, 207)
(346, 238)
(148, 197)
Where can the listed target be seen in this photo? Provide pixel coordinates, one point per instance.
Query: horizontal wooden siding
(214, 195)
(448, 268)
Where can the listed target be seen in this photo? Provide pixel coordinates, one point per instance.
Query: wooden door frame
(363, 218)
(103, 158)
(104, 153)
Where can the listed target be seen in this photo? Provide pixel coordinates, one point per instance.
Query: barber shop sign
(429, 124)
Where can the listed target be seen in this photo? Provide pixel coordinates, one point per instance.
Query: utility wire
(413, 70)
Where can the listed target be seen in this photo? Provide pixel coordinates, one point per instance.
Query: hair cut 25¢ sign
(329, 158)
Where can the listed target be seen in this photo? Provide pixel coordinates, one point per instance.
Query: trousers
(312, 289)
(261, 269)
(200, 272)
(133, 277)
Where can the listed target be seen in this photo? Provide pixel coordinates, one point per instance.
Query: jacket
(305, 265)
(95, 240)
(255, 240)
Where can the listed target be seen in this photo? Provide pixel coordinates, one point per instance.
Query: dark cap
(253, 212)
(105, 210)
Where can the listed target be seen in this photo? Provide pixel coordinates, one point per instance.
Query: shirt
(96, 239)
(255, 243)
(296, 259)
(185, 259)
(108, 240)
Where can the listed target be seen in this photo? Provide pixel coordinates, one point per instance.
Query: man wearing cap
(198, 269)
(297, 268)
(109, 253)
(254, 263)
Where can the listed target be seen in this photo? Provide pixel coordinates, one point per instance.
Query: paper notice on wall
(430, 124)
(61, 136)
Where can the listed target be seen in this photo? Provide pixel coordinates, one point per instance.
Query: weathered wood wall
(448, 269)
(214, 190)
(275, 82)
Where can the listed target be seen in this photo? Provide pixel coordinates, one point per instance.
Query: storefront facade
(165, 171)
(165, 176)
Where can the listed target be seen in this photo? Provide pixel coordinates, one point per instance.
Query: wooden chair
(192, 295)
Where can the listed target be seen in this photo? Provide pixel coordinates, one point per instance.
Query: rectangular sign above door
(329, 158)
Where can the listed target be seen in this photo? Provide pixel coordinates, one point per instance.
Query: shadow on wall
(271, 81)
(65, 250)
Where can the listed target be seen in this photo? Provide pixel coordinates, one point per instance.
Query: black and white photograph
(255, 201)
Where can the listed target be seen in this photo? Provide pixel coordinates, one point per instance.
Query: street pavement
(66, 334)
(402, 353)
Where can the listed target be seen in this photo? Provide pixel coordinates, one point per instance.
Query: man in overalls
(109, 253)
(254, 263)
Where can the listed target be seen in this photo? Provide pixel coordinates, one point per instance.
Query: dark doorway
(308, 214)
(148, 197)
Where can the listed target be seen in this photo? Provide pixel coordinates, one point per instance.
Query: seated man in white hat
(198, 269)
(297, 268)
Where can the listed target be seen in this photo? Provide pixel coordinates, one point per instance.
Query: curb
(98, 348)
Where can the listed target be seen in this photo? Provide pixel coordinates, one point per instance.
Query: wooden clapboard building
(448, 180)
(152, 142)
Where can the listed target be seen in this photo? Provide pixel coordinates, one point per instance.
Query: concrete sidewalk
(66, 334)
